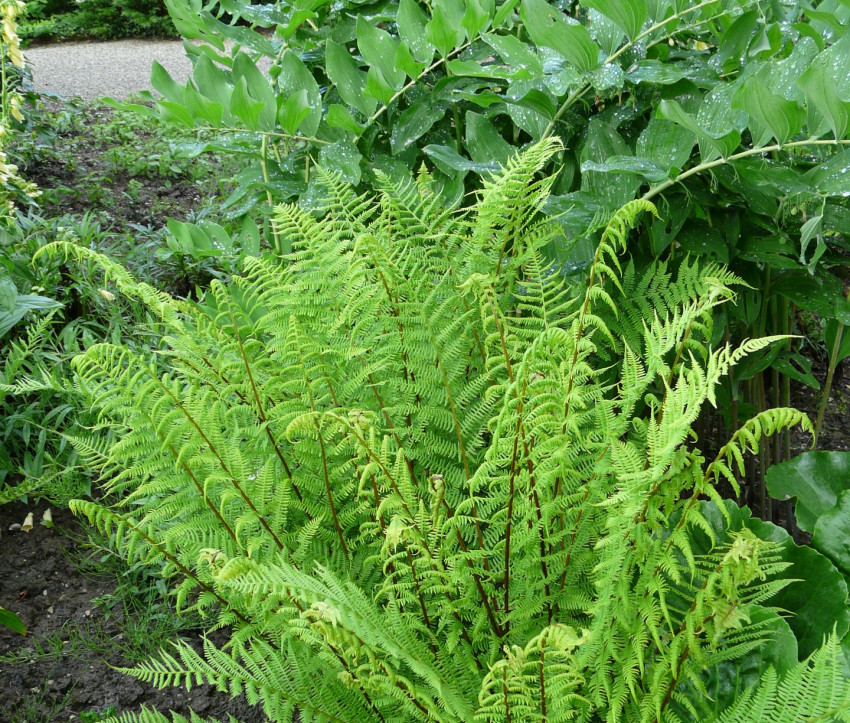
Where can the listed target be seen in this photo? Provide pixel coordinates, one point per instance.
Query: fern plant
(423, 477)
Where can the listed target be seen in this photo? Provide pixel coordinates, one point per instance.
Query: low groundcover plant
(421, 476)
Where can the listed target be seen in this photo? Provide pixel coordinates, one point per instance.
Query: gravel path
(115, 69)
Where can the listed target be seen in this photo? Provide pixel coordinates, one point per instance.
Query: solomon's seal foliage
(423, 476)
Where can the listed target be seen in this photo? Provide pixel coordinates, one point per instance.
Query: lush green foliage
(732, 114)
(423, 476)
(58, 20)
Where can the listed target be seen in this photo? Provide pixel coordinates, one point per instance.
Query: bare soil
(54, 676)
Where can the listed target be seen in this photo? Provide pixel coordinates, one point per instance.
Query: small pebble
(50, 610)
(14, 528)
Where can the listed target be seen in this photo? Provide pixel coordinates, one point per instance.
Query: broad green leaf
(450, 158)
(604, 32)
(816, 479)
(630, 15)
(411, 28)
(211, 81)
(200, 107)
(378, 49)
(603, 142)
(405, 62)
(258, 88)
(377, 87)
(8, 294)
(722, 145)
(732, 49)
(782, 117)
(294, 111)
(474, 70)
(822, 96)
(700, 239)
(477, 17)
(796, 367)
(350, 81)
(665, 145)
(539, 102)
(727, 680)
(340, 117)
(823, 295)
(343, 157)
(175, 113)
(832, 177)
(549, 27)
(721, 122)
(165, 85)
(416, 121)
(817, 597)
(832, 532)
(515, 53)
(296, 76)
(442, 33)
(9, 620)
(483, 142)
(244, 107)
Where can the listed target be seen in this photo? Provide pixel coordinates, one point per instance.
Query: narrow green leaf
(722, 145)
(832, 177)
(405, 62)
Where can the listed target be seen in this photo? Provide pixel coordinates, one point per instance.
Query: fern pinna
(424, 477)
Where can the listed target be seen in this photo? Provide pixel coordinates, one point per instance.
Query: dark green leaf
(837, 341)
(665, 145)
(411, 28)
(378, 49)
(816, 479)
(340, 117)
(483, 141)
(415, 121)
(627, 164)
(549, 27)
(448, 157)
(832, 532)
(350, 81)
(832, 178)
(343, 157)
(442, 33)
(823, 295)
(9, 620)
(515, 53)
(293, 77)
(630, 15)
(294, 111)
(244, 107)
(782, 117)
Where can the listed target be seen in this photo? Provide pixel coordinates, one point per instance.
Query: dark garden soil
(60, 670)
(88, 159)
